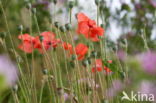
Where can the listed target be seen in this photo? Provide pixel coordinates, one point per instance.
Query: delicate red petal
(81, 57)
(93, 70)
(82, 17)
(91, 23)
(25, 37)
(26, 46)
(98, 62)
(48, 36)
(107, 69)
(81, 50)
(83, 28)
(99, 69)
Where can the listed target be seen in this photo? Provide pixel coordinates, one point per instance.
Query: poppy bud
(57, 25)
(34, 10)
(20, 28)
(97, 2)
(28, 6)
(41, 38)
(2, 35)
(68, 26)
(15, 88)
(62, 29)
(94, 54)
(45, 71)
(71, 4)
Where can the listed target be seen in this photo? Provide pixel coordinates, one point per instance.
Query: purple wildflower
(148, 62)
(8, 70)
(153, 3)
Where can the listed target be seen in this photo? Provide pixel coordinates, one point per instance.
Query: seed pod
(57, 25)
(34, 10)
(86, 62)
(122, 75)
(41, 38)
(73, 57)
(28, 6)
(45, 71)
(2, 35)
(20, 28)
(97, 2)
(93, 54)
(71, 4)
(15, 88)
(102, 25)
(68, 26)
(62, 29)
(55, 1)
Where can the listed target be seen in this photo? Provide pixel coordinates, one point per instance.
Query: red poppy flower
(88, 27)
(68, 47)
(27, 43)
(107, 70)
(46, 40)
(81, 50)
(98, 66)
